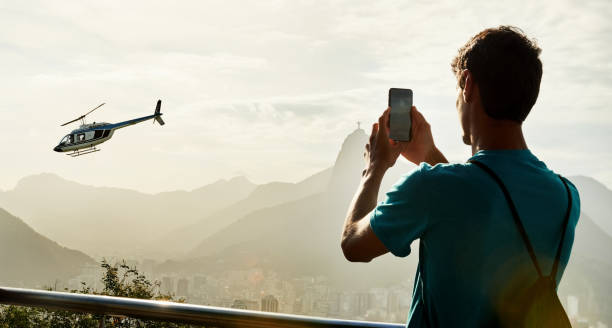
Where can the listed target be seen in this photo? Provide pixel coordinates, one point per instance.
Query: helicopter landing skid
(83, 152)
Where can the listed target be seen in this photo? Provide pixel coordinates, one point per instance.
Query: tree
(119, 280)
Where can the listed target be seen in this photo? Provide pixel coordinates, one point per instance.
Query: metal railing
(170, 311)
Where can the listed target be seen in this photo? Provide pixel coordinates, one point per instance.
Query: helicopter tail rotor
(158, 114)
(158, 107)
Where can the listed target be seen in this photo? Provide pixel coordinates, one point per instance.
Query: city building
(182, 287)
(167, 285)
(245, 304)
(269, 304)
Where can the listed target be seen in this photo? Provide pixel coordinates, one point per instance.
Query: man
(471, 255)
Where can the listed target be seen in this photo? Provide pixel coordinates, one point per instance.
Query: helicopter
(84, 139)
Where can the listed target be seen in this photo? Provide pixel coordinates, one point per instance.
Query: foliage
(119, 279)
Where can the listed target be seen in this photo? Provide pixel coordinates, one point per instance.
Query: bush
(119, 280)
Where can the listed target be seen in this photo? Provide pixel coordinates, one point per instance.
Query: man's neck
(498, 135)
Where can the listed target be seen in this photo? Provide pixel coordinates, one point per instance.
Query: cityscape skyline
(306, 295)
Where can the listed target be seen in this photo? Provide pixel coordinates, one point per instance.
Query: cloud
(272, 88)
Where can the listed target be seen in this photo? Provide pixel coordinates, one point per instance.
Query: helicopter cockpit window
(81, 137)
(66, 140)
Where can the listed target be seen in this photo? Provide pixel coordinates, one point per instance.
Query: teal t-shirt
(470, 251)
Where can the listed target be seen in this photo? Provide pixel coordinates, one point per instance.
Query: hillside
(337, 191)
(596, 201)
(266, 195)
(294, 239)
(281, 237)
(32, 260)
(112, 221)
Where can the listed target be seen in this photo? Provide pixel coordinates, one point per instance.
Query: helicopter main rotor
(82, 117)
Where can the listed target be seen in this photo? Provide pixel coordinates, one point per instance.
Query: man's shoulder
(443, 170)
(435, 175)
(575, 194)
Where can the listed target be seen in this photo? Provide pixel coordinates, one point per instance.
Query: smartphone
(400, 122)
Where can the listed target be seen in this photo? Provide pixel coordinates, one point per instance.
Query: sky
(270, 89)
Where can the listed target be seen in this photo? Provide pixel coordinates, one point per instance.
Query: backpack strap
(515, 214)
(520, 226)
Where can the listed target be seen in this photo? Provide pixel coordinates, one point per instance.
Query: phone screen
(400, 123)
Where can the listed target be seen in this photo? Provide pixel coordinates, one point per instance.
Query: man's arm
(359, 242)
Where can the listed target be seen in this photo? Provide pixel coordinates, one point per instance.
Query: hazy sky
(269, 89)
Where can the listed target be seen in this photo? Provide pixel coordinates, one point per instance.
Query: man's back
(472, 258)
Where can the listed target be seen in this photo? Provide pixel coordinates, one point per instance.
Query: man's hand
(421, 147)
(381, 152)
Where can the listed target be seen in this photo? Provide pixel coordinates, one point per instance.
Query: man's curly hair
(505, 65)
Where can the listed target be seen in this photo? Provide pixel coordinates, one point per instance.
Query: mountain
(595, 200)
(281, 237)
(298, 238)
(263, 196)
(30, 259)
(347, 166)
(334, 197)
(112, 221)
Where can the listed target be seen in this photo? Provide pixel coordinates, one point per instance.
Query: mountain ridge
(30, 259)
(264, 196)
(37, 179)
(82, 216)
(595, 200)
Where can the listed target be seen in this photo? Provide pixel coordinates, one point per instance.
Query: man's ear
(468, 85)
